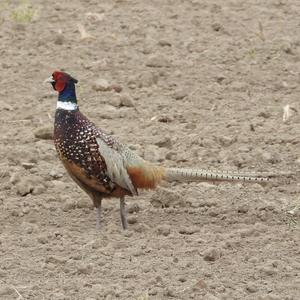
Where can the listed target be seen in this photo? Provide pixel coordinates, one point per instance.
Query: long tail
(149, 176)
(177, 174)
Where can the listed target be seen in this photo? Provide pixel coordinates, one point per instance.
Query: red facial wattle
(61, 80)
(59, 85)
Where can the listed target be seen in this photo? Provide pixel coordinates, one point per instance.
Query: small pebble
(8, 107)
(69, 204)
(27, 165)
(55, 259)
(164, 43)
(179, 94)
(163, 230)
(251, 288)
(270, 157)
(153, 291)
(243, 209)
(132, 220)
(141, 228)
(165, 119)
(145, 79)
(44, 133)
(59, 38)
(248, 232)
(201, 284)
(171, 156)
(55, 174)
(268, 270)
(182, 279)
(213, 213)
(287, 47)
(226, 141)
(117, 88)
(157, 61)
(126, 100)
(85, 269)
(164, 142)
(101, 85)
(220, 78)
(211, 254)
(217, 26)
(15, 178)
(264, 114)
(169, 293)
(188, 230)
(38, 189)
(164, 197)
(24, 187)
(42, 239)
(133, 208)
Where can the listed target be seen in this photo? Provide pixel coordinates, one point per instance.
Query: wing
(116, 164)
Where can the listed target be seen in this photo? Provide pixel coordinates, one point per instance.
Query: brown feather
(146, 176)
(92, 184)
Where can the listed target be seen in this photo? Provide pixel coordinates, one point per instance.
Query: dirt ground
(204, 83)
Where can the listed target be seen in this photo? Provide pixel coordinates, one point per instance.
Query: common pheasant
(105, 168)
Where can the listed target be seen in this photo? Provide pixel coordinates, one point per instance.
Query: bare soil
(203, 84)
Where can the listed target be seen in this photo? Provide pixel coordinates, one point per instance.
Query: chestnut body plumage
(75, 142)
(102, 166)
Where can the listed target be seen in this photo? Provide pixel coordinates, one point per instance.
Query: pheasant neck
(67, 105)
(67, 98)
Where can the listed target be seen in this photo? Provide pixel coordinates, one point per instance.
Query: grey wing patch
(116, 166)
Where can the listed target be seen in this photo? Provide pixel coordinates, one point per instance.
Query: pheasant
(104, 167)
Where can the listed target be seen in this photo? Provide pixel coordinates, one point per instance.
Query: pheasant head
(64, 84)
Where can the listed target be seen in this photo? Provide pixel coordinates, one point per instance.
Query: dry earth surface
(203, 84)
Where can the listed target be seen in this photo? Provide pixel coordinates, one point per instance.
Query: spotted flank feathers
(75, 139)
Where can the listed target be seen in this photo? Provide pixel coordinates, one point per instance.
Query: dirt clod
(164, 197)
(132, 219)
(44, 133)
(85, 269)
(211, 254)
(157, 61)
(101, 85)
(163, 230)
(126, 100)
(24, 187)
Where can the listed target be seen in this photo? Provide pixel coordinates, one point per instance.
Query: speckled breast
(75, 141)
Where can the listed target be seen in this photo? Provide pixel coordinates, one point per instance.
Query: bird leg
(98, 218)
(123, 213)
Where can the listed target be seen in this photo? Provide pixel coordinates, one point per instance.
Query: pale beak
(49, 80)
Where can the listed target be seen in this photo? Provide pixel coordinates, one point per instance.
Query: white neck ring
(66, 105)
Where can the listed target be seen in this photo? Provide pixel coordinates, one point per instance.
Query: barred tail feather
(177, 174)
(147, 176)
